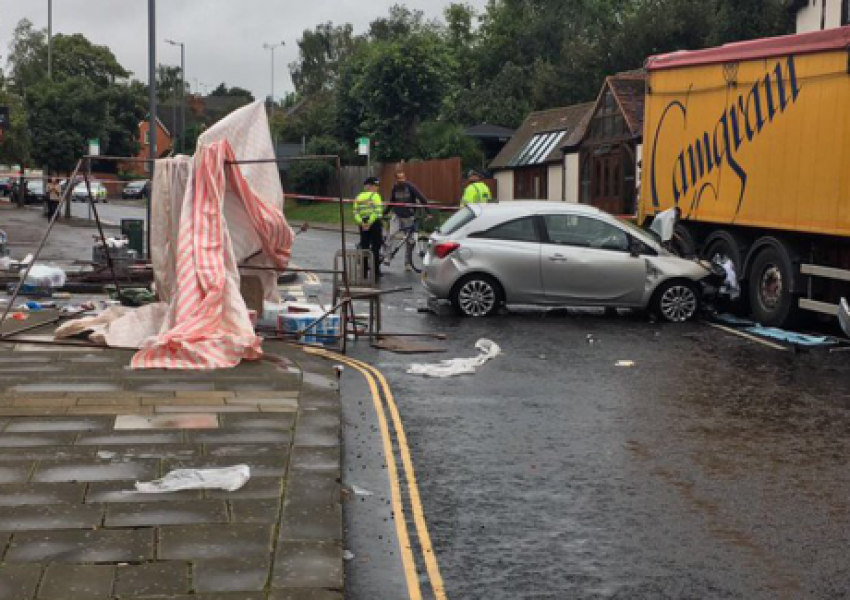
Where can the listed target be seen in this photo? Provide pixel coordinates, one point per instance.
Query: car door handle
(558, 258)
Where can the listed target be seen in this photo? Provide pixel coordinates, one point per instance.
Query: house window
(845, 13)
(608, 121)
(148, 137)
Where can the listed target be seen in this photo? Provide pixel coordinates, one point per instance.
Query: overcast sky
(224, 38)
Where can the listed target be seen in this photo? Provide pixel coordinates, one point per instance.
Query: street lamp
(272, 47)
(182, 91)
(50, 39)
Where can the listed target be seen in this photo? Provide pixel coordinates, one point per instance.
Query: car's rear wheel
(477, 296)
(676, 301)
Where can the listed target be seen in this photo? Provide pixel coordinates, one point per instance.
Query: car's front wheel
(676, 301)
(477, 296)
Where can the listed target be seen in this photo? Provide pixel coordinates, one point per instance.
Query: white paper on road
(228, 479)
(730, 285)
(458, 366)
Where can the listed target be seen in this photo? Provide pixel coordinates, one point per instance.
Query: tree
(15, 146)
(437, 139)
(169, 81)
(388, 88)
(312, 177)
(88, 97)
(321, 53)
(232, 92)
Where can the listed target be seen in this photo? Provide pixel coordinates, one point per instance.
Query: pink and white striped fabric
(207, 324)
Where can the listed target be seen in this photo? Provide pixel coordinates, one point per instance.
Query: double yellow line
(373, 378)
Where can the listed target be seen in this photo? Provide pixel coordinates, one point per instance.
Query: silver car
(560, 254)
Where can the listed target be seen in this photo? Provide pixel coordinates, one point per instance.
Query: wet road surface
(712, 468)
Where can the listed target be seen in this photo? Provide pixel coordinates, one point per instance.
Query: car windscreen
(136, 184)
(457, 220)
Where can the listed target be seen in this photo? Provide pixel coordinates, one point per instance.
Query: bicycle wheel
(416, 252)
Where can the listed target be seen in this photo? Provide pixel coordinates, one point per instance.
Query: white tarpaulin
(210, 215)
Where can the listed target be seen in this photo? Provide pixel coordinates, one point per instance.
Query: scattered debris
(844, 316)
(730, 285)
(458, 366)
(401, 345)
(106, 455)
(625, 363)
(358, 491)
(590, 339)
(797, 339)
(229, 479)
(348, 555)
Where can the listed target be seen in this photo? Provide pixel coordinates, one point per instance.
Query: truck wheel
(683, 244)
(770, 279)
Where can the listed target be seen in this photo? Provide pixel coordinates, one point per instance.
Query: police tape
(328, 199)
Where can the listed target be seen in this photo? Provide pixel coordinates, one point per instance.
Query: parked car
(560, 254)
(36, 192)
(81, 194)
(136, 190)
(5, 186)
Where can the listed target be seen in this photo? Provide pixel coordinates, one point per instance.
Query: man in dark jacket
(405, 199)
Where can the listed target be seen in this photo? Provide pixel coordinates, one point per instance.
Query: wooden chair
(360, 265)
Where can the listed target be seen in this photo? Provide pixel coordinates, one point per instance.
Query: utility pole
(152, 109)
(50, 39)
(182, 92)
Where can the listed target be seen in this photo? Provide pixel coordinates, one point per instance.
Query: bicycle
(414, 242)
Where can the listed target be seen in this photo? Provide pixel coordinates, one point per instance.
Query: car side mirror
(635, 247)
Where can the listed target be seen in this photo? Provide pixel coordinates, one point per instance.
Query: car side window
(585, 232)
(518, 230)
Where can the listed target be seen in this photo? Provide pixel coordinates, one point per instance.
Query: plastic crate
(295, 322)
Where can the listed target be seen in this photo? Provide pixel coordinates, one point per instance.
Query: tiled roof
(539, 138)
(630, 92)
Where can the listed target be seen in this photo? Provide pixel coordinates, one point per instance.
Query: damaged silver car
(558, 254)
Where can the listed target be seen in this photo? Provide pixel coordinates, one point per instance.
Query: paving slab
(97, 546)
(124, 438)
(134, 514)
(261, 466)
(196, 542)
(149, 451)
(33, 494)
(257, 488)
(305, 595)
(17, 472)
(124, 491)
(307, 521)
(247, 449)
(263, 422)
(316, 459)
(67, 516)
(152, 579)
(18, 582)
(86, 470)
(231, 574)
(315, 487)
(62, 582)
(177, 421)
(11, 440)
(239, 437)
(44, 425)
(308, 565)
(255, 511)
(45, 453)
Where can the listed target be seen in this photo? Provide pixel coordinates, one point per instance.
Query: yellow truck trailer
(751, 141)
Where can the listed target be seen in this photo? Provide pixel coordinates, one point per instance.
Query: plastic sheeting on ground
(458, 366)
(844, 316)
(118, 326)
(228, 479)
(799, 339)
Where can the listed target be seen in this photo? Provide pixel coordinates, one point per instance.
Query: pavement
(78, 428)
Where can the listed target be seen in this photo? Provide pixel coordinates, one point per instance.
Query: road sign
(94, 147)
(363, 146)
(5, 123)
